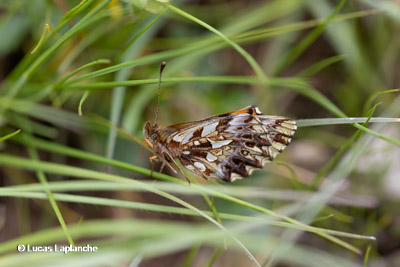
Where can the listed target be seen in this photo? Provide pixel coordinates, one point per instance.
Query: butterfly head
(150, 132)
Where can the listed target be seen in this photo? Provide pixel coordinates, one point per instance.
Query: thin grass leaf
(38, 128)
(25, 76)
(42, 179)
(376, 134)
(78, 172)
(366, 256)
(215, 255)
(349, 120)
(320, 65)
(57, 117)
(118, 93)
(27, 60)
(257, 69)
(299, 48)
(188, 261)
(83, 99)
(22, 192)
(102, 228)
(335, 159)
(296, 182)
(323, 218)
(83, 173)
(183, 189)
(212, 79)
(371, 99)
(46, 29)
(340, 216)
(327, 189)
(4, 138)
(60, 82)
(214, 44)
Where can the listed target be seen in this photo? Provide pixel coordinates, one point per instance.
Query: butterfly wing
(230, 146)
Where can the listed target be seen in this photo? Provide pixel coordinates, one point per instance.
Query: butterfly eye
(154, 136)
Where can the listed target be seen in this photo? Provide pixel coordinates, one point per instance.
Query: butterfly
(224, 147)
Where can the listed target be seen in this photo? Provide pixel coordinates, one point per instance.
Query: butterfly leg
(162, 167)
(141, 155)
(180, 169)
(184, 175)
(152, 160)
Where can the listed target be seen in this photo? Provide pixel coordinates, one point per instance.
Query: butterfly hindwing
(231, 145)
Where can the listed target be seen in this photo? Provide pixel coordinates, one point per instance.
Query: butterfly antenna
(159, 89)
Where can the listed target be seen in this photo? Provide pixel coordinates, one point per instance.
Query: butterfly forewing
(227, 146)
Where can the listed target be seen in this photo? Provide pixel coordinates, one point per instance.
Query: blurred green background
(71, 71)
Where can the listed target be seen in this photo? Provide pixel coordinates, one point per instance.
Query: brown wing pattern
(231, 145)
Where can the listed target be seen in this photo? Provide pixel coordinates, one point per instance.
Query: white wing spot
(258, 111)
(289, 125)
(263, 160)
(238, 120)
(218, 144)
(235, 176)
(278, 146)
(196, 143)
(200, 166)
(209, 128)
(249, 169)
(211, 157)
(187, 138)
(177, 138)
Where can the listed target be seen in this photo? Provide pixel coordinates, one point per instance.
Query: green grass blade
(27, 60)
(28, 191)
(4, 138)
(132, 50)
(366, 257)
(83, 99)
(320, 65)
(299, 48)
(335, 159)
(47, 54)
(334, 121)
(89, 174)
(42, 178)
(256, 67)
(371, 99)
(72, 73)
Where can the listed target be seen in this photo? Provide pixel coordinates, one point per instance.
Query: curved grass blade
(84, 173)
(253, 63)
(30, 191)
(4, 138)
(299, 48)
(89, 174)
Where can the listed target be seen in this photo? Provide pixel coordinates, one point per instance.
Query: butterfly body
(224, 147)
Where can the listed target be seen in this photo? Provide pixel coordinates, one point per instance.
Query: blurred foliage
(79, 79)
